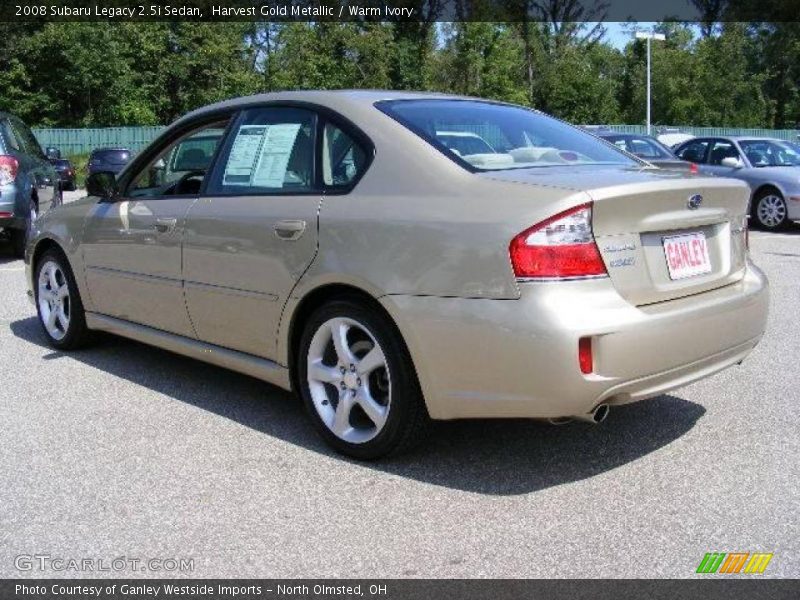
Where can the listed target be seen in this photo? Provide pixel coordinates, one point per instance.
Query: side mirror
(103, 184)
(732, 162)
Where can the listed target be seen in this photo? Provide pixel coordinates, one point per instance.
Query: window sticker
(246, 148)
(260, 155)
(275, 152)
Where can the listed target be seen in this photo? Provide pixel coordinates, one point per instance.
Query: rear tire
(58, 302)
(769, 210)
(358, 382)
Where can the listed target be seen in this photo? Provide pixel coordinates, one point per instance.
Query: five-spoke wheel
(58, 302)
(358, 382)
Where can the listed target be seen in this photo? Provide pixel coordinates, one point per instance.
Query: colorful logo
(734, 562)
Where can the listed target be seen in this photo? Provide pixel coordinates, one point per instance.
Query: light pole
(644, 35)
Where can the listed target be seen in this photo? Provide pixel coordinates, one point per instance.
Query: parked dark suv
(108, 159)
(29, 184)
(66, 173)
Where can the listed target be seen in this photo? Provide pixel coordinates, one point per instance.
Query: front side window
(270, 150)
(343, 159)
(485, 136)
(181, 167)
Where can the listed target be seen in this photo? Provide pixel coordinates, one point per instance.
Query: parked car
(672, 138)
(66, 173)
(331, 244)
(769, 166)
(52, 153)
(110, 160)
(647, 148)
(28, 182)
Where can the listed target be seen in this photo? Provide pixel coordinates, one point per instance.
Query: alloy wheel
(349, 380)
(54, 300)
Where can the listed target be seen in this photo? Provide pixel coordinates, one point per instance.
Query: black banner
(733, 588)
(400, 10)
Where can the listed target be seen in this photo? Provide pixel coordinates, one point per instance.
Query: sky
(616, 35)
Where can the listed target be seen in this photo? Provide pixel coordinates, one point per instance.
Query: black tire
(769, 210)
(407, 420)
(75, 334)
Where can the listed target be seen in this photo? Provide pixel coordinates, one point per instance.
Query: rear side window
(695, 151)
(10, 141)
(343, 159)
(487, 136)
(25, 138)
(268, 151)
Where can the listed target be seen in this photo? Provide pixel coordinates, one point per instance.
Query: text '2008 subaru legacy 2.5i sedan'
(329, 243)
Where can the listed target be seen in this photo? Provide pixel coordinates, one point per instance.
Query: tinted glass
(343, 160)
(9, 137)
(270, 150)
(720, 151)
(694, 151)
(114, 157)
(28, 142)
(508, 137)
(769, 153)
(61, 163)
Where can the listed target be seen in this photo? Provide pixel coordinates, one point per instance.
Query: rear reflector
(9, 166)
(561, 247)
(585, 359)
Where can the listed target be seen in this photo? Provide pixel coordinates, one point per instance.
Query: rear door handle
(290, 230)
(165, 225)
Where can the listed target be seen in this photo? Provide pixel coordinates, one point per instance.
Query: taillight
(693, 168)
(9, 167)
(561, 247)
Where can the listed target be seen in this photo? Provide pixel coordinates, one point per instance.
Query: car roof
(330, 98)
(110, 150)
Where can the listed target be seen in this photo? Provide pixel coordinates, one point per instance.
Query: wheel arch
(320, 295)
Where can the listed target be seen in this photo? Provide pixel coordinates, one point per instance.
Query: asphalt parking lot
(126, 450)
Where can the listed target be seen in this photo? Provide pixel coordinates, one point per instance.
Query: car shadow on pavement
(495, 457)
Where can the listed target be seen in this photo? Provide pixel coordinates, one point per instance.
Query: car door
(133, 245)
(719, 150)
(42, 176)
(253, 232)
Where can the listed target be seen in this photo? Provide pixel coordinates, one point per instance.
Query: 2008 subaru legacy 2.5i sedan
(330, 243)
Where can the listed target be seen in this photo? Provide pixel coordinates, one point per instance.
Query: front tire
(358, 383)
(769, 210)
(58, 303)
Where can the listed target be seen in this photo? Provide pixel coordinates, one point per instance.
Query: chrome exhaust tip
(597, 415)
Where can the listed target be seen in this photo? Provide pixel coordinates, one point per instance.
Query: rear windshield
(117, 157)
(61, 163)
(641, 146)
(484, 136)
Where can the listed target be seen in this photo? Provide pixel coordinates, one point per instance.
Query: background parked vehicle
(673, 137)
(66, 173)
(29, 184)
(342, 249)
(52, 153)
(770, 166)
(647, 148)
(110, 160)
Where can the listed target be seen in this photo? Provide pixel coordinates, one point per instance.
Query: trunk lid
(642, 223)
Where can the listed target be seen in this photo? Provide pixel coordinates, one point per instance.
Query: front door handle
(165, 225)
(290, 230)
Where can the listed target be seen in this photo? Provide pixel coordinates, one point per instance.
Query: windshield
(641, 146)
(770, 153)
(484, 136)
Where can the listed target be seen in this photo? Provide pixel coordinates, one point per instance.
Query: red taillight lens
(585, 359)
(693, 168)
(6, 215)
(560, 247)
(9, 166)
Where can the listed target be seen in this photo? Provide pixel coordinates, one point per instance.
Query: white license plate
(687, 255)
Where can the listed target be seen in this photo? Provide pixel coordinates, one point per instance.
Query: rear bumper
(519, 358)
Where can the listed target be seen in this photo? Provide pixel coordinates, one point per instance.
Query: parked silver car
(330, 243)
(771, 167)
